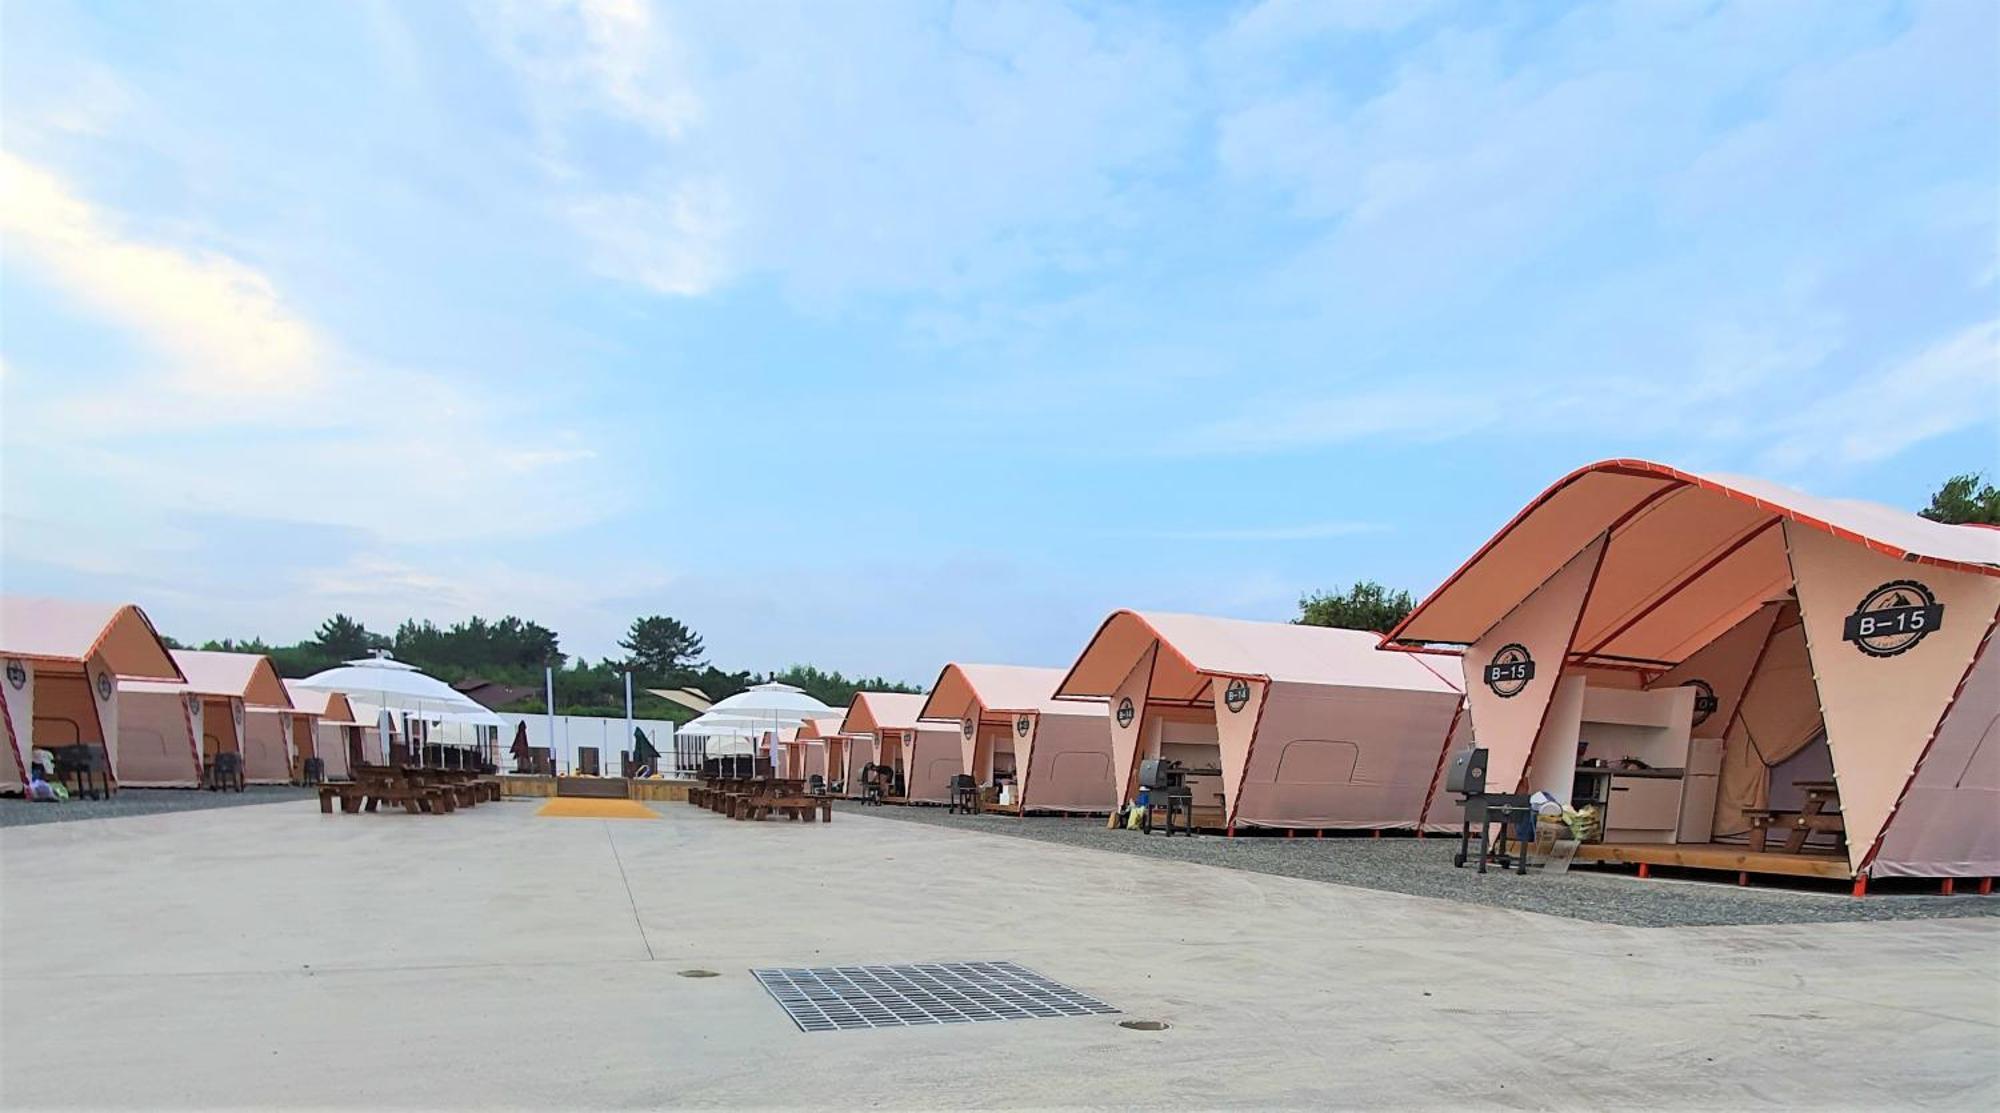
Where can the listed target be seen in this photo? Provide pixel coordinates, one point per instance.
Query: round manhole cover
(699, 974)
(1144, 1025)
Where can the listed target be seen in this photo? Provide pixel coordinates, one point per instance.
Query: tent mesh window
(837, 998)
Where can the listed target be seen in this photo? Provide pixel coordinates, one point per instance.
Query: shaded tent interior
(61, 662)
(1011, 728)
(1752, 639)
(1284, 726)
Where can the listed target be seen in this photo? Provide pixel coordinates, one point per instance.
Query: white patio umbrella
(375, 684)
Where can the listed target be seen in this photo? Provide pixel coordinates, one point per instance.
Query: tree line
(660, 652)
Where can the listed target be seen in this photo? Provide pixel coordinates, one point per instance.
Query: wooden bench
(784, 797)
(1801, 824)
(348, 793)
(382, 784)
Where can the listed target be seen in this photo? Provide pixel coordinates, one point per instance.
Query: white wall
(571, 731)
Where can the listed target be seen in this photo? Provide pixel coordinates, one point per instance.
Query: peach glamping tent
(1011, 726)
(1782, 662)
(886, 730)
(335, 737)
(61, 663)
(1300, 727)
(821, 749)
(214, 704)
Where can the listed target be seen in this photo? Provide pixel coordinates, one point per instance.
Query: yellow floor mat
(568, 807)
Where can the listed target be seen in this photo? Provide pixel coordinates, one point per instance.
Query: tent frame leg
(1860, 886)
(1645, 871)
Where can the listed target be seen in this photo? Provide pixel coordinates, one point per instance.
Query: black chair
(871, 784)
(964, 795)
(225, 771)
(315, 771)
(816, 785)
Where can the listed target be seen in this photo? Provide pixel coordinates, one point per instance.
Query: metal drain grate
(836, 998)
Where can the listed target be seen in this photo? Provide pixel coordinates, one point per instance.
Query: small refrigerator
(1698, 787)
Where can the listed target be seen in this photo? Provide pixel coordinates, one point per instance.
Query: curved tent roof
(250, 677)
(332, 707)
(869, 712)
(68, 631)
(382, 682)
(819, 727)
(1001, 690)
(1690, 556)
(1197, 647)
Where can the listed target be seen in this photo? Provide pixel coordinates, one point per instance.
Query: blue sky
(876, 335)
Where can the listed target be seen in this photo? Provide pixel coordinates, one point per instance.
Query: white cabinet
(1643, 809)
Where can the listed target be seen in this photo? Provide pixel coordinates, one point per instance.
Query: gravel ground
(1423, 868)
(143, 801)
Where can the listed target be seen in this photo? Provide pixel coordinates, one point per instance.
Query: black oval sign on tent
(1125, 712)
(1236, 695)
(965, 727)
(1893, 618)
(1705, 702)
(104, 688)
(1022, 724)
(1510, 670)
(17, 675)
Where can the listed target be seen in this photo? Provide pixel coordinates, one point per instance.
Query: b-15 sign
(1893, 618)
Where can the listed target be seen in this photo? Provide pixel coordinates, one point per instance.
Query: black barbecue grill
(1483, 809)
(1166, 786)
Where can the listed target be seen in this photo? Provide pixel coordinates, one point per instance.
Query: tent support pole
(1860, 886)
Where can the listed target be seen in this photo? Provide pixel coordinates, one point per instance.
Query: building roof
(1196, 648)
(1690, 556)
(1000, 690)
(68, 631)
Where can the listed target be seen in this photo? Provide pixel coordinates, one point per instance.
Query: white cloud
(223, 323)
(1276, 423)
(865, 153)
(237, 404)
(1306, 531)
(1951, 386)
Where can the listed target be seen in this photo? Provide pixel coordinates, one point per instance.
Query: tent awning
(71, 632)
(1689, 557)
(1196, 648)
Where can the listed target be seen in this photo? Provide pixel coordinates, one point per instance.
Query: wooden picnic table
(1812, 816)
(433, 791)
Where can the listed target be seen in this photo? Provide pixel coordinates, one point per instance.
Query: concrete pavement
(274, 957)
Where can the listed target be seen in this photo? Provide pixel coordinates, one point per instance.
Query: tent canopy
(1000, 690)
(70, 632)
(1197, 648)
(1690, 556)
(826, 726)
(872, 712)
(250, 677)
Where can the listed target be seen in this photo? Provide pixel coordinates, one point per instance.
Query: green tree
(833, 689)
(344, 639)
(1365, 606)
(1965, 498)
(660, 647)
